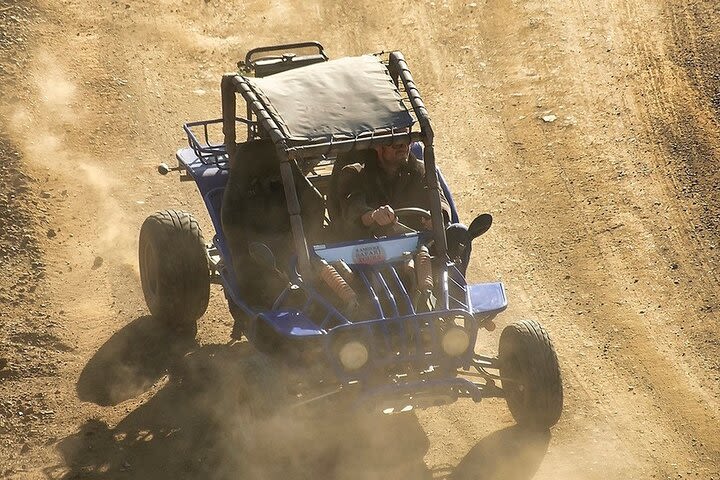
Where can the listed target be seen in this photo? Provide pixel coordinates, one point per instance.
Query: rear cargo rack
(207, 151)
(274, 59)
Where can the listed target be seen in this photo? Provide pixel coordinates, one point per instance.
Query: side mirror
(480, 225)
(262, 254)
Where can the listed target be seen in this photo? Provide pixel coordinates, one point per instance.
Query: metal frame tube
(399, 69)
(232, 84)
(360, 143)
(288, 150)
(227, 90)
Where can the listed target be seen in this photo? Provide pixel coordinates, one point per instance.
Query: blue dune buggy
(389, 321)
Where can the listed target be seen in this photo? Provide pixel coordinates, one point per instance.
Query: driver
(385, 178)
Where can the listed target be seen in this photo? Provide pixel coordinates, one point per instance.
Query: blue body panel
(291, 323)
(487, 298)
(396, 316)
(210, 179)
(211, 175)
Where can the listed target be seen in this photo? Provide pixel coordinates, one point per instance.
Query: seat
(254, 209)
(348, 158)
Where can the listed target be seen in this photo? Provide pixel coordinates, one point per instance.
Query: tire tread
(183, 269)
(542, 365)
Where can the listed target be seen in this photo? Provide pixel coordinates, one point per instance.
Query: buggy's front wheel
(174, 270)
(531, 375)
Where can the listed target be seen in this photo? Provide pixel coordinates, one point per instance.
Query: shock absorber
(346, 273)
(423, 269)
(424, 299)
(337, 284)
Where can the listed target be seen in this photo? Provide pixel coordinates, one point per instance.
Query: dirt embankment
(688, 120)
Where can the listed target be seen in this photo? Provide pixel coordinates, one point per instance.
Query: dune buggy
(390, 320)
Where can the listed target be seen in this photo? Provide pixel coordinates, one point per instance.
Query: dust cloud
(48, 131)
(230, 415)
(224, 412)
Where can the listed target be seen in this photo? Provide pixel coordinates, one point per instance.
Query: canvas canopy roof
(334, 100)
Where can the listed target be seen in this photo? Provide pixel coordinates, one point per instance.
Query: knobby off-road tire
(528, 358)
(174, 270)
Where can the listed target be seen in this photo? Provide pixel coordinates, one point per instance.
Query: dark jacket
(364, 186)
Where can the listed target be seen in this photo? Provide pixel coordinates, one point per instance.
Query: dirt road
(589, 129)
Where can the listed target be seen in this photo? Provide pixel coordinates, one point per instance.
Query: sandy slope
(606, 231)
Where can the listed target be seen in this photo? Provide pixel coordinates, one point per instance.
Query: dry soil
(590, 129)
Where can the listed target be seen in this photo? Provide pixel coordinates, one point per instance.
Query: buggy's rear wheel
(174, 270)
(531, 375)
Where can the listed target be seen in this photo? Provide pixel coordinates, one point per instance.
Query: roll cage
(381, 319)
(304, 120)
(275, 111)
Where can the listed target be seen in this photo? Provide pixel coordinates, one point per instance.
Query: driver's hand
(383, 216)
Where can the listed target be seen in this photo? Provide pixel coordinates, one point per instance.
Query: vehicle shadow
(129, 363)
(513, 453)
(195, 427)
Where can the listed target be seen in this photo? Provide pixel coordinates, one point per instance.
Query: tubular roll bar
(399, 69)
(288, 149)
(284, 47)
(231, 84)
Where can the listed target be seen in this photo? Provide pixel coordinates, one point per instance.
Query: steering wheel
(399, 228)
(413, 211)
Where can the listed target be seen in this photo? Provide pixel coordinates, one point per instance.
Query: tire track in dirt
(591, 233)
(681, 123)
(648, 239)
(570, 217)
(610, 211)
(694, 33)
(682, 89)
